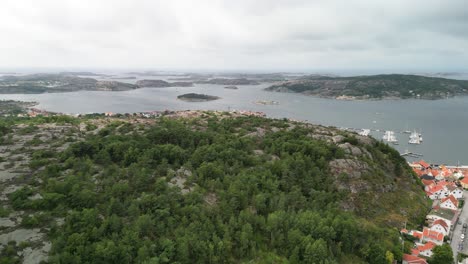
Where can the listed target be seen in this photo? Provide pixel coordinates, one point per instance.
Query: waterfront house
(423, 164)
(464, 183)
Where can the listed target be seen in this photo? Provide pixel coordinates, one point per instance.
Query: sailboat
(407, 131)
(389, 136)
(415, 138)
(364, 132)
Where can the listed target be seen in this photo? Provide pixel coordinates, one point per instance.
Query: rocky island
(384, 86)
(194, 97)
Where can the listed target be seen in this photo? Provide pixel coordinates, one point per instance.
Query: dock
(411, 154)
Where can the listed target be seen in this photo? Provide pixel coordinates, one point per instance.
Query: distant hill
(161, 84)
(374, 87)
(55, 83)
(226, 81)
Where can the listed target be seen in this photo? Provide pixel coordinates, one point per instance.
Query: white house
(457, 192)
(425, 250)
(449, 203)
(440, 226)
(446, 215)
(435, 192)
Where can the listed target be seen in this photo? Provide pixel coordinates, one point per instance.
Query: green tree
(442, 255)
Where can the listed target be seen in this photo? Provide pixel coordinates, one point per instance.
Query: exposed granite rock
(351, 167)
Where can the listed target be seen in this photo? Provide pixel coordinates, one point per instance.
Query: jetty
(411, 154)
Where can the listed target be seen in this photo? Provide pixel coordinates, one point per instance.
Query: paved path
(456, 240)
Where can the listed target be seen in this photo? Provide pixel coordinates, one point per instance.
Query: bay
(443, 123)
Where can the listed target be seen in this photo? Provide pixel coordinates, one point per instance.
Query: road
(456, 240)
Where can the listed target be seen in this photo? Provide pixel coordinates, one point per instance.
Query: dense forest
(376, 86)
(216, 189)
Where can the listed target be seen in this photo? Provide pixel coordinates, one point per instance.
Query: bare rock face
(338, 139)
(352, 168)
(350, 149)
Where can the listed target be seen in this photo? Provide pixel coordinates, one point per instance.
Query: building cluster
(444, 186)
(187, 113)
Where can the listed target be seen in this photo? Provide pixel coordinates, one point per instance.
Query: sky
(230, 35)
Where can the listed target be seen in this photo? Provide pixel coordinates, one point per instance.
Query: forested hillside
(212, 189)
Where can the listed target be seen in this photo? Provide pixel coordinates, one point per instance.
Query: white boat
(415, 138)
(389, 136)
(364, 132)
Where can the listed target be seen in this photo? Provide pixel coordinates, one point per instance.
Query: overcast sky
(262, 35)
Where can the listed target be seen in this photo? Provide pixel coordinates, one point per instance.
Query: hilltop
(374, 87)
(204, 186)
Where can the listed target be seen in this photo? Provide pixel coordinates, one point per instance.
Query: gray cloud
(242, 34)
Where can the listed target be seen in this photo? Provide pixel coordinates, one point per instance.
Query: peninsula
(384, 86)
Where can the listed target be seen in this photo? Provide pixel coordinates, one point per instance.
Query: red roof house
(409, 259)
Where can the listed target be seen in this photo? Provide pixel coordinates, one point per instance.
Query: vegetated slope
(375, 86)
(221, 189)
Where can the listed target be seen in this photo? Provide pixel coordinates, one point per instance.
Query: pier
(411, 154)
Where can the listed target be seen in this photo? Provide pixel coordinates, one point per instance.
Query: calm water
(444, 123)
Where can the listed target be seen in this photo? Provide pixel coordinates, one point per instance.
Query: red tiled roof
(428, 182)
(404, 230)
(434, 173)
(442, 183)
(424, 164)
(417, 234)
(440, 222)
(419, 172)
(452, 199)
(435, 189)
(465, 180)
(414, 252)
(428, 246)
(413, 259)
(434, 235)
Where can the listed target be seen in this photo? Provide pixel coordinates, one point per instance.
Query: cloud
(227, 35)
